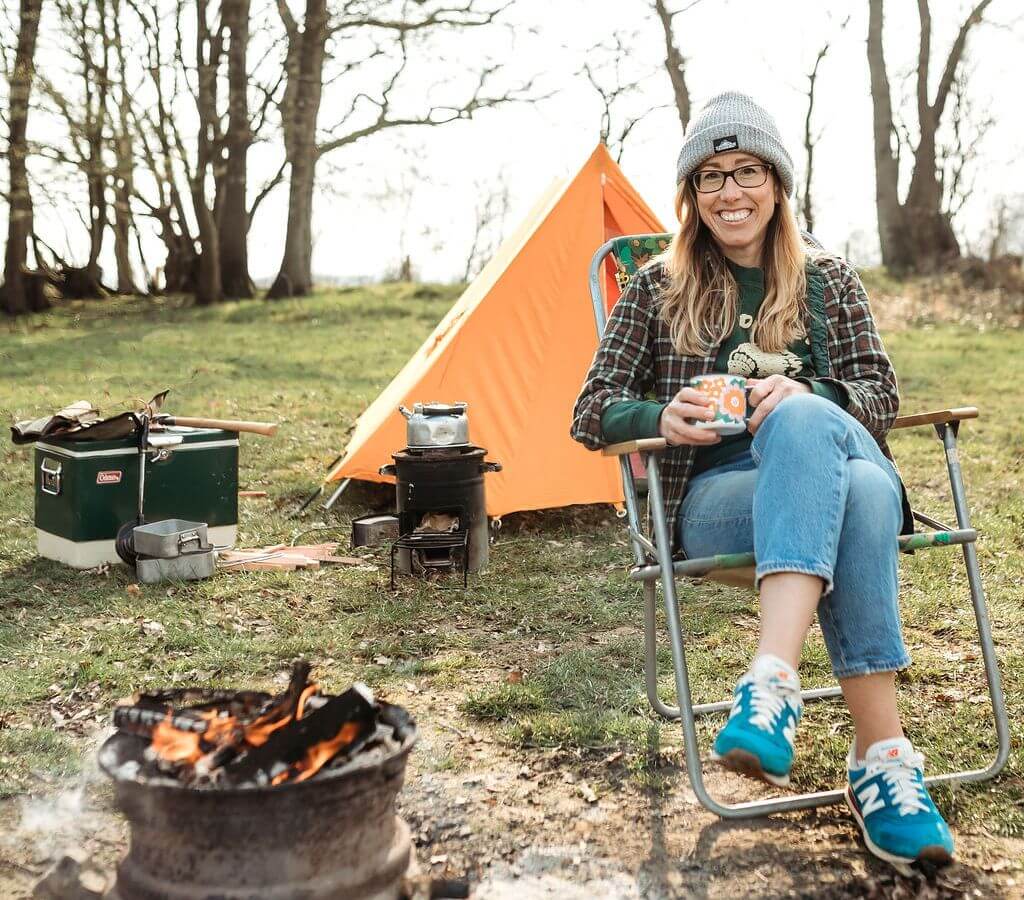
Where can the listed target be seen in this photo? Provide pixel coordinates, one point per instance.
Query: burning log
(297, 752)
(249, 738)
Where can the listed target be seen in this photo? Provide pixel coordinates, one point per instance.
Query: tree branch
(953, 60)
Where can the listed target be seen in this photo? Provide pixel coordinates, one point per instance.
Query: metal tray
(170, 538)
(190, 567)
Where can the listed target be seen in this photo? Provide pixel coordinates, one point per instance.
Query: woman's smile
(734, 216)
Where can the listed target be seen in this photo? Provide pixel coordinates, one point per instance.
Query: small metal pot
(436, 425)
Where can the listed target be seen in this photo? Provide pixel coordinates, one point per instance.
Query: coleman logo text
(113, 477)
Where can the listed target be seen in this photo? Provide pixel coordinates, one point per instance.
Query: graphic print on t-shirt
(751, 361)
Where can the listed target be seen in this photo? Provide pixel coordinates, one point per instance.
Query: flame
(187, 748)
(173, 745)
(319, 754)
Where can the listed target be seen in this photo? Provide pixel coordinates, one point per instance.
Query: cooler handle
(50, 483)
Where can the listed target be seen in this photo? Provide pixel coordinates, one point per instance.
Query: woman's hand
(676, 425)
(767, 393)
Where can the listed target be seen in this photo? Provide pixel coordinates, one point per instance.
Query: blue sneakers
(758, 738)
(893, 808)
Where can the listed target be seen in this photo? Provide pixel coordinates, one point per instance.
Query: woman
(810, 487)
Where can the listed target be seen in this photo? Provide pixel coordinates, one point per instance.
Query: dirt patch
(550, 823)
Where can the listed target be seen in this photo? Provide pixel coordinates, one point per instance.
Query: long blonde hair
(699, 304)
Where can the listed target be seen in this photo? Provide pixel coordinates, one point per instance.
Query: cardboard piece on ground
(284, 558)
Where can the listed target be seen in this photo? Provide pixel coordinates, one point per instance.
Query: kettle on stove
(436, 424)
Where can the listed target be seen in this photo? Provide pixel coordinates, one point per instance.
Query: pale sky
(765, 49)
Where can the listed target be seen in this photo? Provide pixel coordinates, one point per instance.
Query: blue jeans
(814, 494)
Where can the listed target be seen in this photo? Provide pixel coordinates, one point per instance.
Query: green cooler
(86, 490)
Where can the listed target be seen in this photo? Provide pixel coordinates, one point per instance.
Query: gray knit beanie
(734, 121)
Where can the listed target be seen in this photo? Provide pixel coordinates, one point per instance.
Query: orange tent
(516, 346)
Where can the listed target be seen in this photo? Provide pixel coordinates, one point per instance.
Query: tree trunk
(887, 202)
(295, 279)
(233, 215)
(181, 266)
(123, 187)
(208, 284)
(933, 243)
(300, 110)
(917, 234)
(124, 173)
(16, 294)
(208, 50)
(675, 65)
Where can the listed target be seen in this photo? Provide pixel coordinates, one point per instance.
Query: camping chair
(654, 562)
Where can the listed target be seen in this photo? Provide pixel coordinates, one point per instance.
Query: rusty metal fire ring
(333, 835)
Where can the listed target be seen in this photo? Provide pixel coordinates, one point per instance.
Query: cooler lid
(196, 437)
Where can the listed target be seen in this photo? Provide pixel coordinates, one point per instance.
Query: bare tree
(168, 150)
(208, 48)
(490, 212)
(18, 295)
(619, 92)
(123, 175)
(811, 139)
(82, 103)
(155, 125)
(916, 234)
(232, 212)
(367, 114)
(675, 63)
(956, 156)
(1005, 230)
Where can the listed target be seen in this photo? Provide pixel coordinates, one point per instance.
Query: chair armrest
(934, 418)
(642, 445)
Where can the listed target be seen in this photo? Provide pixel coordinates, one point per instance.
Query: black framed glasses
(707, 181)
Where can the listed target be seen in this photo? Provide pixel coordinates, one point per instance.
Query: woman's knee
(804, 408)
(872, 499)
(798, 415)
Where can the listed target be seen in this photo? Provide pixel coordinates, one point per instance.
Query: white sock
(767, 665)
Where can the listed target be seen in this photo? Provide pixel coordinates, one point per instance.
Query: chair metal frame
(654, 559)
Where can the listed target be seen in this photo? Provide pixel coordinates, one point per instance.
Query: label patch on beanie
(722, 144)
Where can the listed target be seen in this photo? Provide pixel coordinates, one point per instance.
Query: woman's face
(738, 216)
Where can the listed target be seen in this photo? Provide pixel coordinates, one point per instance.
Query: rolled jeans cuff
(871, 667)
(773, 567)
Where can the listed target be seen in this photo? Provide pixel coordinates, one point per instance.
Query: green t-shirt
(632, 419)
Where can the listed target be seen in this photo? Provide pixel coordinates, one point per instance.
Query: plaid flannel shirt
(636, 358)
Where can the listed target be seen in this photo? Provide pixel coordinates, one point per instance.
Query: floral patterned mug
(728, 393)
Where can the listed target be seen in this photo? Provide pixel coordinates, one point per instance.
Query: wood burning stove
(442, 511)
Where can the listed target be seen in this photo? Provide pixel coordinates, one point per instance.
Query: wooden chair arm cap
(956, 414)
(642, 445)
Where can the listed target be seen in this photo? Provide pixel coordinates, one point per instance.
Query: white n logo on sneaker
(789, 731)
(869, 799)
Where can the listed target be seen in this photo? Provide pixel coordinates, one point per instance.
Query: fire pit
(249, 796)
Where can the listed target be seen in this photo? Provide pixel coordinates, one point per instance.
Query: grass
(555, 604)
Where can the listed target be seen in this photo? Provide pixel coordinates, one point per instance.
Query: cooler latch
(52, 472)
